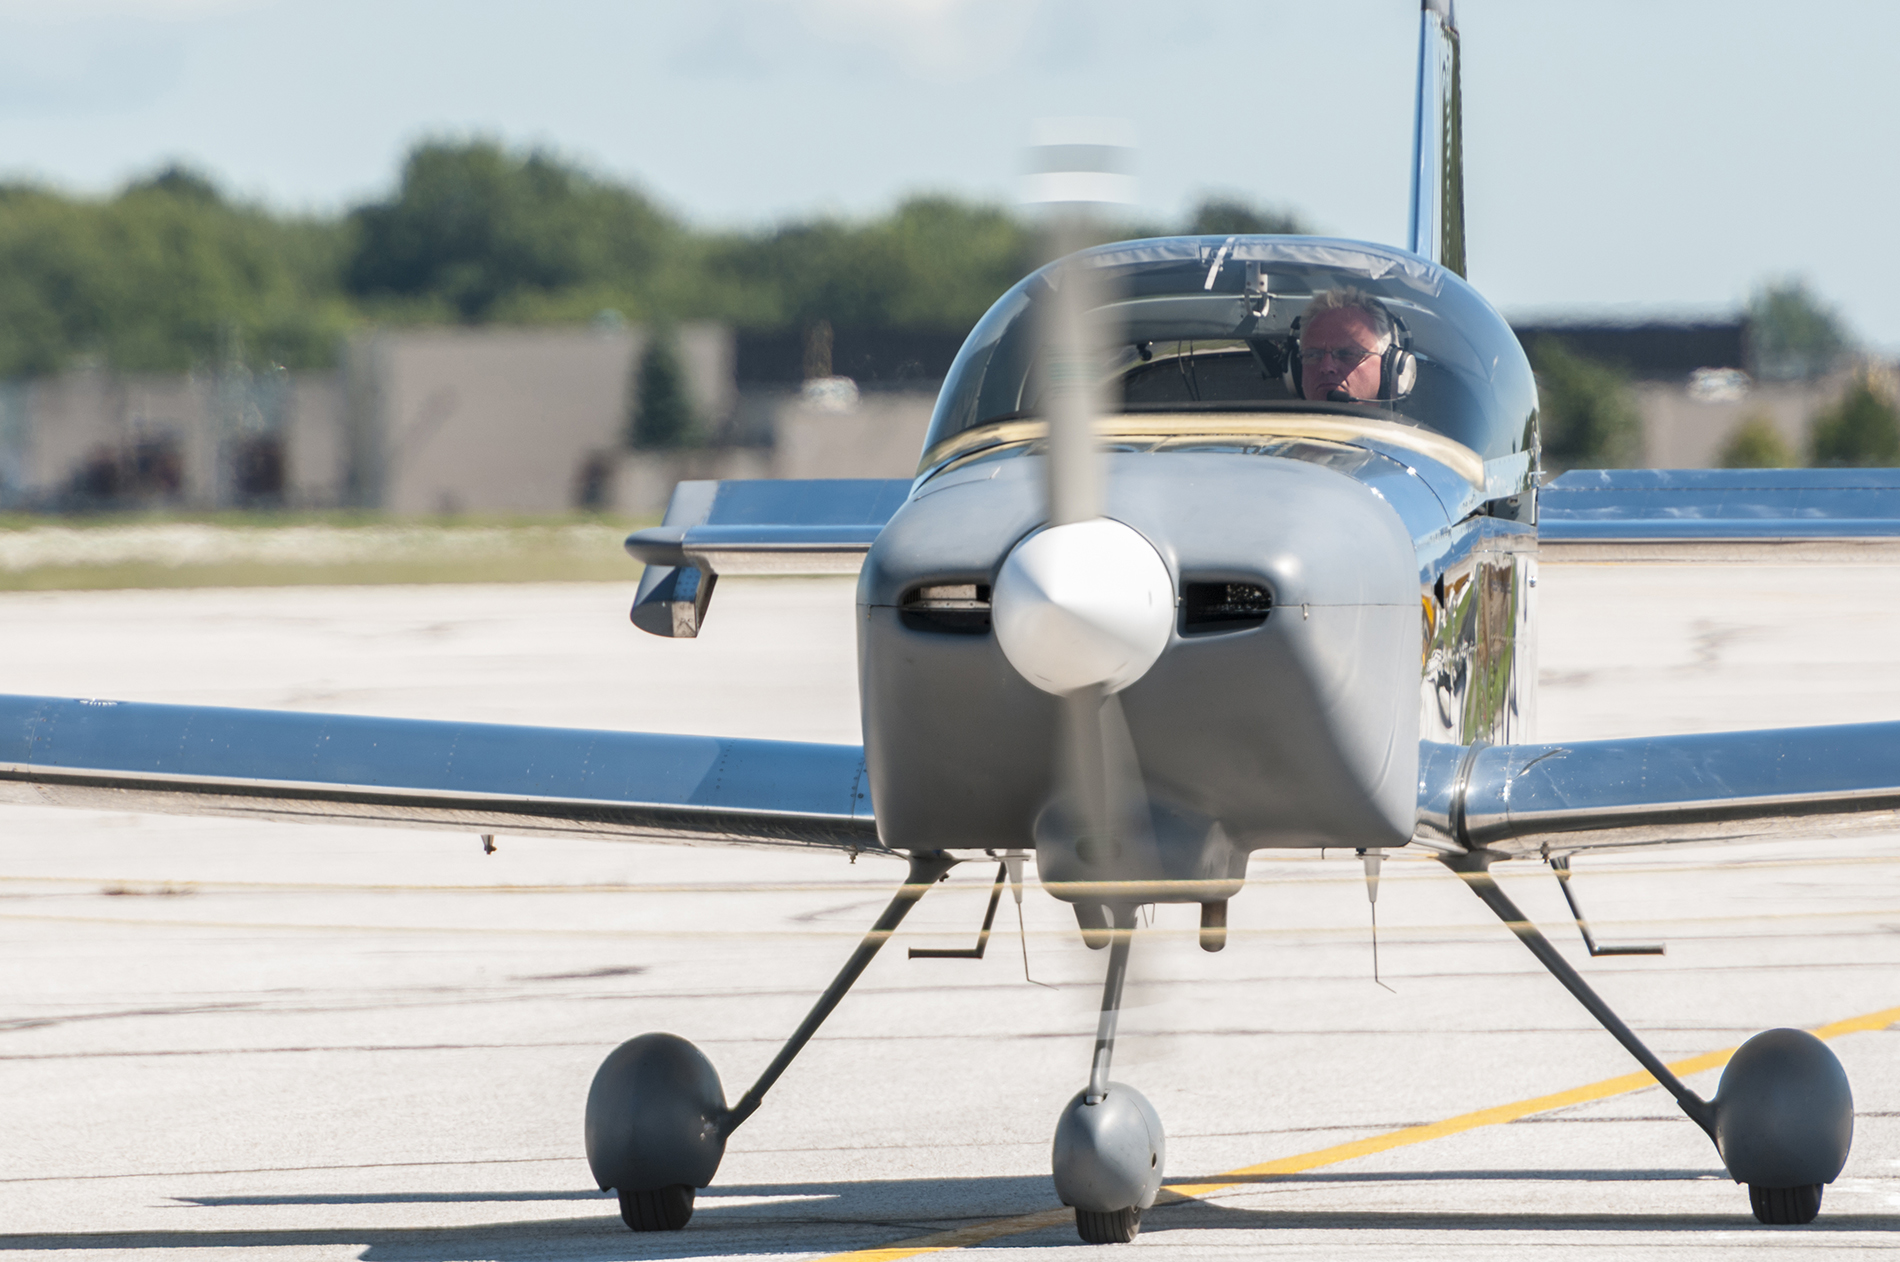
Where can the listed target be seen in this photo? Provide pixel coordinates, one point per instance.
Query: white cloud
(933, 39)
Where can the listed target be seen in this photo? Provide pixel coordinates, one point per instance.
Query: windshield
(1196, 324)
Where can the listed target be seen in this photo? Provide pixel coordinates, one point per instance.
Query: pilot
(1342, 346)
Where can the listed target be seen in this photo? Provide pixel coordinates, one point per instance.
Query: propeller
(1082, 609)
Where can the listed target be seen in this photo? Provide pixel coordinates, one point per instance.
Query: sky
(1659, 158)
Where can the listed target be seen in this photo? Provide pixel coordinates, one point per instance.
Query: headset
(1398, 366)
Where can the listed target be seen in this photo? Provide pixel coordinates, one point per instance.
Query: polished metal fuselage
(1388, 696)
(1401, 614)
(1479, 601)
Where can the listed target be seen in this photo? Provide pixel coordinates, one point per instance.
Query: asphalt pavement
(222, 1040)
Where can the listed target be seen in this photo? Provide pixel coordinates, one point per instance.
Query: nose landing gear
(1109, 1147)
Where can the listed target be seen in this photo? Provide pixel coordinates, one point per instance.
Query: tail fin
(1438, 148)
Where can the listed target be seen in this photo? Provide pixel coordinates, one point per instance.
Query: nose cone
(1089, 604)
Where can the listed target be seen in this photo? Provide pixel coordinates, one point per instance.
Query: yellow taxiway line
(979, 1233)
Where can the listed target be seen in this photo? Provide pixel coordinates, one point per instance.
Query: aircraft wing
(1723, 786)
(478, 777)
(1547, 800)
(1718, 515)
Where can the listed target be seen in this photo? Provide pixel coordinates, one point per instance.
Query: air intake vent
(1210, 608)
(956, 608)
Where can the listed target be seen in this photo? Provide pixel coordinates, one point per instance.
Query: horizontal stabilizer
(765, 526)
(1721, 515)
(822, 526)
(1620, 794)
(477, 777)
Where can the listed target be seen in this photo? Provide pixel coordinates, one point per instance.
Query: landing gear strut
(1109, 1148)
(657, 1121)
(1782, 1118)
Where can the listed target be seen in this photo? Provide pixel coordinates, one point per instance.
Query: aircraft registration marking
(1021, 1224)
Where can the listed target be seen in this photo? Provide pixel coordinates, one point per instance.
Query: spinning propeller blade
(1074, 466)
(1098, 775)
(1084, 607)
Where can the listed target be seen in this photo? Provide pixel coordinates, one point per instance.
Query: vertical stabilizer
(1438, 150)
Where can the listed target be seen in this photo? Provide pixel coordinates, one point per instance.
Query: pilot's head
(1343, 333)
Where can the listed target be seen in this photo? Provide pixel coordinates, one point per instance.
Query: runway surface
(222, 1040)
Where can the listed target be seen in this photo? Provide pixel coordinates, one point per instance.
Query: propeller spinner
(1083, 606)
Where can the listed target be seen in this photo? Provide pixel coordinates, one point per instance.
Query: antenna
(1373, 858)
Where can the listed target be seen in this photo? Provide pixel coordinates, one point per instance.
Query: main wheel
(667, 1209)
(1115, 1226)
(1785, 1206)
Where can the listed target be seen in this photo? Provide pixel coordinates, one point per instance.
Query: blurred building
(1687, 424)
(536, 421)
(428, 421)
(91, 439)
(1651, 350)
(846, 402)
(508, 420)
(1692, 384)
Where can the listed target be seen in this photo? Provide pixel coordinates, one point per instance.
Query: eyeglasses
(1344, 356)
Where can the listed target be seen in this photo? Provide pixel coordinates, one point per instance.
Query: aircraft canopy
(1207, 324)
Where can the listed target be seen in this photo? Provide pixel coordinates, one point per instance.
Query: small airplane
(1217, 544)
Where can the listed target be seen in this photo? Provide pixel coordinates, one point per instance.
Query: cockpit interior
(1212, 324)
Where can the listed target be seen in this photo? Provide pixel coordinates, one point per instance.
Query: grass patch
(250, 550)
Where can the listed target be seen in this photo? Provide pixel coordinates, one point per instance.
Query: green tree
(1792, 334)
(1862, 429)
(182, 182)
(957, 258)
(1229, 216)
(933, 263)
(1757, 444)
(662, 408)
(159, 276)
(473, 225)
(1587, 415)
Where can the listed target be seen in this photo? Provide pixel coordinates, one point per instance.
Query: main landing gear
(1782, 1118)
(657, 1121)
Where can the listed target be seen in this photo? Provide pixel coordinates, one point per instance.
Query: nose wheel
(1109, 1144)
(1118, 1226)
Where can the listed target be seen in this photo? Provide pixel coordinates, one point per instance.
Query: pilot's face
(1338, 337)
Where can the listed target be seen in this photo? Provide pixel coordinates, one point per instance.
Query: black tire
(666, 1209)
(1784, 1207)
(1115, 1226)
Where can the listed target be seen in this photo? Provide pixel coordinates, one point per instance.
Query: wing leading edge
(1545, 800)
(319, 768)
(1721, 515)
(478, 777)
